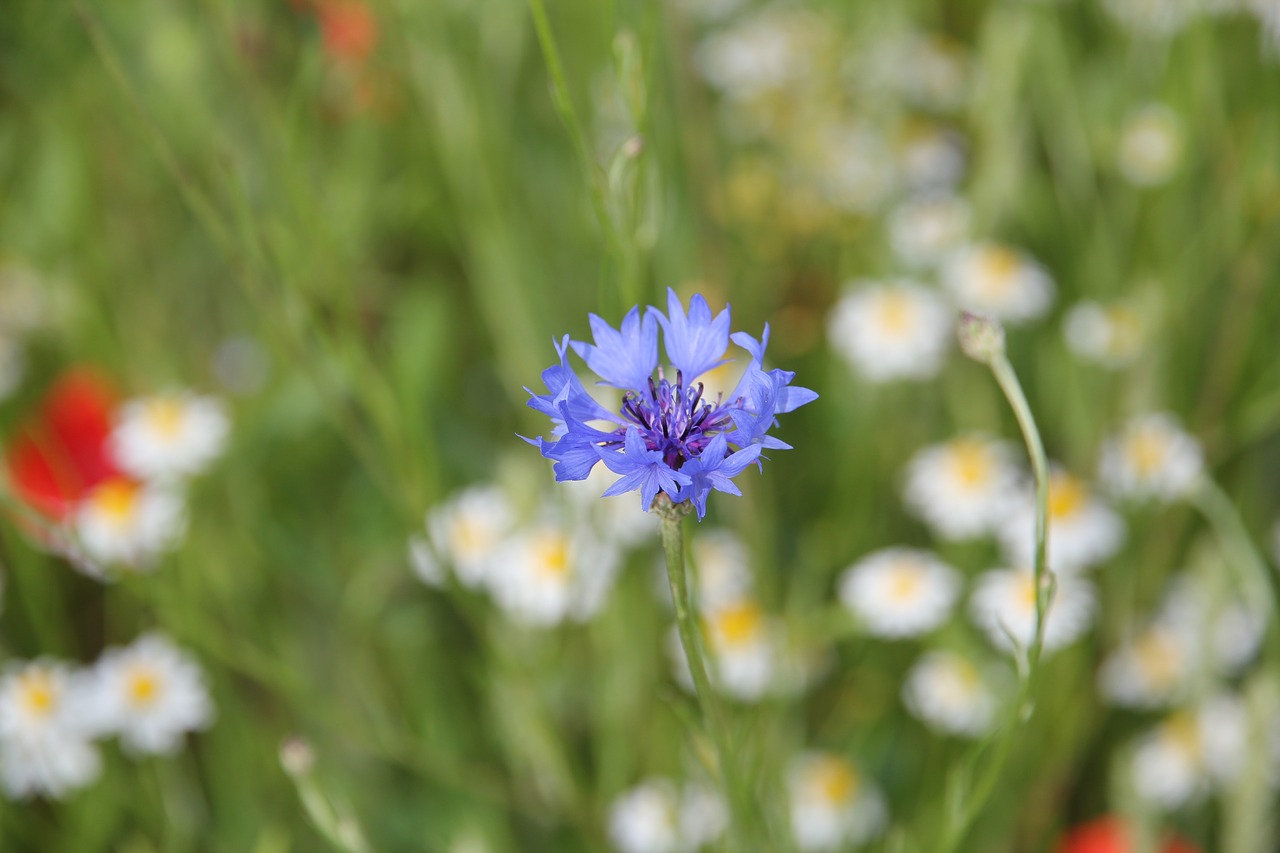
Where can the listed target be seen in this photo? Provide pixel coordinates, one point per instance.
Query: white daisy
(1192, 752)
(925, 70)
(929, 157)
(742, 645)
(896, 330)
(549, 573)
(422, 560)
(925, 229)
(46, 745)
(151, 693)
(1152, 457)
(1149, 671)
(1150, 145)
(654, 817)
(123, 522)
(762, 54)
(169, 435)
(1229, 629)
(1083, 530)
(646, 819)
(468, 531)
(1160, 18)
(960, 488)
(1110, 335)
(900, 592)
(1004, 603)
(949, 694)
(832, 806)
(999, 281)
(852, 165)
(723, 567)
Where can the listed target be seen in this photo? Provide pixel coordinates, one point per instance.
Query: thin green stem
(713, 721)
(971, 806)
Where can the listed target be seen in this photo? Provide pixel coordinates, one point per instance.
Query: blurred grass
(404, 239)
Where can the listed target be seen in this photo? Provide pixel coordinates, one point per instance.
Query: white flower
(928, 71)
(999, 281)
(900, 592)
(126, 522)
(653, 817)
(1150, 146)
(1160, 18)
(960, 488)
(930, 157)
(468, 531)
(151, 693)
(646, 819)
(1083, 530)
(45, 738)
(832, 807)
(169, 435)
(897, 330)
(549, 573)
(1109, 335)
(1152, 457)
(924, 229)
(423, 562)
(742, 646)
(1150, 670)
(616, 516)
(948, 693)
(1192, 752)
(1228, 628)
(1004, 603)
(853, 166)
(760, 55)
(723, 568)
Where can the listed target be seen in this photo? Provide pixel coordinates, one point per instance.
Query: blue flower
(666, 436)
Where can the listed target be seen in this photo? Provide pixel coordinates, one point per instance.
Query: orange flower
(349, 30)
(1111, 835)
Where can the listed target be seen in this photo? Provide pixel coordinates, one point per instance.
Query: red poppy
(349, 30)
(60, 453)
(1111, 835)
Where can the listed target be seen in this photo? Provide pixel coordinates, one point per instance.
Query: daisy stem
(1254, 577)
(713, 721)
(969, 805)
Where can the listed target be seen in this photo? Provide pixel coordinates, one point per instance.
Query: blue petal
(695, 342)
(622, 358)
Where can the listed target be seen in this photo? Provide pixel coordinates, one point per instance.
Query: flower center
(1182, 732)
(37, 693)
(674, 419)
(998, 267)
(970, 463)
(117, 499)
(165, 416)
(1067, 496)
(736, 624)
(552, 555)
(1157, 657)
(1148, 449)
(142, 687)
(835, 780)
(896, 313)
(905, 581)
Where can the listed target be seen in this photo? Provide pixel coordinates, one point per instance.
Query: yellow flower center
(999, 265)
(142, 686)
(468, 537)
(896, 312)
(1067, 496)
(117, 499)
(1157, 657)
(1182, 730)
(1148, 449)
(736, 624)
(552, 554)
(1026, 592)
(970, 462)
(1125, 333)
(835, 780)
(165, 415)
(36, 693)
(905, 581)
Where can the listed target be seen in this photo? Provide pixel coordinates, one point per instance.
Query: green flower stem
(969, 804)
(713, 720)
(1256, 580)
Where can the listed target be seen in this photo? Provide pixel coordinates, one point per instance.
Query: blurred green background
(366, 233)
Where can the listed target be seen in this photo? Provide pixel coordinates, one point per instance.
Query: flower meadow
(652, 427)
